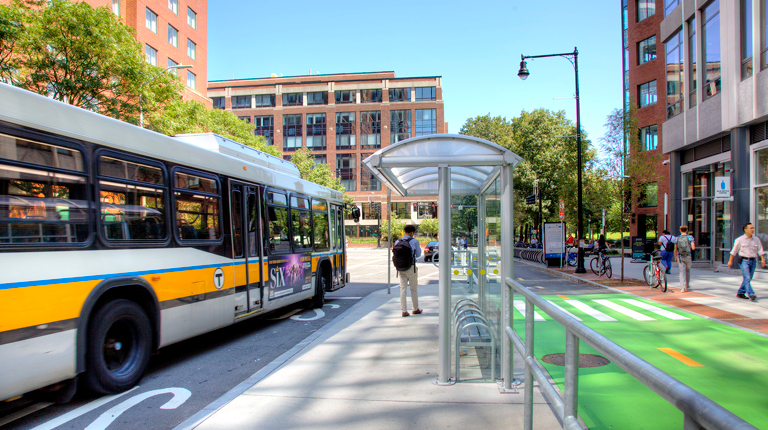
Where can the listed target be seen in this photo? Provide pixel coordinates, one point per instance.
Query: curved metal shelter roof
(410, 167)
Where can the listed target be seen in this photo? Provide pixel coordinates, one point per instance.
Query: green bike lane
(726, 364)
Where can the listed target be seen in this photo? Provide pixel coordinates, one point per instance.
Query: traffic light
(356, 214)
(530, 200)
(415, 207)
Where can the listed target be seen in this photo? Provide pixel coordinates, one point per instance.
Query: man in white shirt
(667, 243)
(749, 248)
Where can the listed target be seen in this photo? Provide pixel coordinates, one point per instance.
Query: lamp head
(523, 73)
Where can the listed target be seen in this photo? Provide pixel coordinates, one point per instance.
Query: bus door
(337, 223)
(244, 204)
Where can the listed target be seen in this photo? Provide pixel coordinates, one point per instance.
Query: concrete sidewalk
(372, 369)
(713, 292)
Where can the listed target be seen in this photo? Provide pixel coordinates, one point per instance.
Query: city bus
(116, 241)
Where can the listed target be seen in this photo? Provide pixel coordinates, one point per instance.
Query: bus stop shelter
(456, 166)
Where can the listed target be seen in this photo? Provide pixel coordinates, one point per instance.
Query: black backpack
(669, 246)
(402, 255)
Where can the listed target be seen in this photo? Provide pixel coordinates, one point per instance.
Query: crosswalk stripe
(568, 313)
(655, 309)
(590, 311)
(626, 311)
(520, 305)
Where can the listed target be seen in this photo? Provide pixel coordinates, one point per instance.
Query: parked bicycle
(573, 254)
(655, 274)
(601, 264)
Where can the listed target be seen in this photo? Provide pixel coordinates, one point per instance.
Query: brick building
(172, 32)
(343, 118)
(644, 77)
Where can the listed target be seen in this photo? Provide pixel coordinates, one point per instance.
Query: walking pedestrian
(667, 243)
(749, 248)
(684, 246)
(408, 273)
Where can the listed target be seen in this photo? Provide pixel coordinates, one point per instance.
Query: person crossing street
(749, 248)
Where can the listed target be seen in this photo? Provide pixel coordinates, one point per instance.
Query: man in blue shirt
(411, 275)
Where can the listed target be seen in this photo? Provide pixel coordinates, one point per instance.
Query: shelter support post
(389, 239)
(507, 255)
(482, 253)
(444, 236)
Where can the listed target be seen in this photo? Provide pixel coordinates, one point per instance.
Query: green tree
(189, 116)
(430, 227)
(318, 173)
(397, 228)
(82, 56)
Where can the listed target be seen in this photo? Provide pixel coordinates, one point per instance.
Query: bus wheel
(119, 347)
(322, 283)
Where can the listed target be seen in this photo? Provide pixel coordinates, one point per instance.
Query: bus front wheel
(119, 347)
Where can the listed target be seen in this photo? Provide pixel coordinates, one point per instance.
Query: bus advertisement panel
(289, 274)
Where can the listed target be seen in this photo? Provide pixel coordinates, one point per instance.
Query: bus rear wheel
(119, 347)
(322, 283)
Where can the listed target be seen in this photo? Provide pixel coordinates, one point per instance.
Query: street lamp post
(141, 110)
(573, 57)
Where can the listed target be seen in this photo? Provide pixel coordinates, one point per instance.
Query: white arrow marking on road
(180, 395)
(343, 298)
(318, 313)
(82, 410)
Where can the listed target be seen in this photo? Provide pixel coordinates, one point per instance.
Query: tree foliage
(318, 173)
(80, 55)
(397, 228)
(430, 227)
(546, 141)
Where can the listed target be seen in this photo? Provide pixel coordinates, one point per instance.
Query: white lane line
(654, 309)
(520, 305)
(180, 395)
(343, 298)
(566, 312)
(594, 313)
(626, 311)
(82, 410)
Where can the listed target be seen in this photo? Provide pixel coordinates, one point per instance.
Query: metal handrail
(698, 410)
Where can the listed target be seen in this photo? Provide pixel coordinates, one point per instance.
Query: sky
(474, 45)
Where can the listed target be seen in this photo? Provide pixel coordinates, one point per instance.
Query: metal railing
(699, 412)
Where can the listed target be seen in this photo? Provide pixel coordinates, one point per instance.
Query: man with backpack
(404, 255)
(749, 248)
(667, 243)
(684, 246)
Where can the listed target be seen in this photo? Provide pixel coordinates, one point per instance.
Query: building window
(345, 130)
(426, 93)
(345, 171)
(426, 210)
(173, 5)
(400, 209)
(646, 50)
(645, 8)
(370, 96)
(669, 6)
(649, 197)
(710, 36)
(370, 129)
(172, 63)
(264, 100)
(746, 39)
(649, 137)
(191, 77)
(316, 131)
(191, 49)
(764, 34)
(218, 102)
(151, 54)
(173, 36)
(368, 182)
(265, 126)
(692, 77)
(247, 119)
(293, 99)
(151, 21)
(191, 18)
(647, 94)
(319, 98)
(400, 125)
(320, 159)
(674, 48)
(116, 7)
(426, 122)
(292, 132)
(399, 94)
(344, 97)
(241, 102)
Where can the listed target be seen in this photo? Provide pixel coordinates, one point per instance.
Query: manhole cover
(585, 360)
